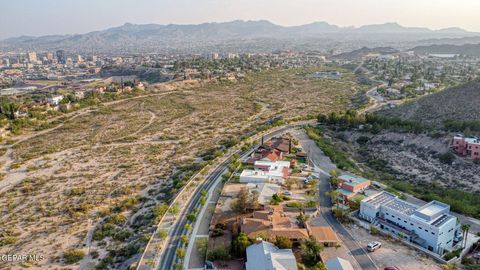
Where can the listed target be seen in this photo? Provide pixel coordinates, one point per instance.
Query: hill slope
(461, 103)
(465, 49)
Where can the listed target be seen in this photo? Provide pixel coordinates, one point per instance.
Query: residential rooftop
(353, 179)
(266, 256)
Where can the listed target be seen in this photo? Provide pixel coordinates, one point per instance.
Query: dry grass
(140, 149)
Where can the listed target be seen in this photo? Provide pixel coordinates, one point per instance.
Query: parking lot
(393, 252)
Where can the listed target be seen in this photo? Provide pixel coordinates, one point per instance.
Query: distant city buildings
(61, 57)
(32, 57)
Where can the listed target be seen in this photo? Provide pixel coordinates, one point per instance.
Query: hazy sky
(41, 17)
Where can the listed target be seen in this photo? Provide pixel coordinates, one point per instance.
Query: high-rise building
(61, 58)
(50, 56)
(6, 62)
(32, 57)
(79, 59)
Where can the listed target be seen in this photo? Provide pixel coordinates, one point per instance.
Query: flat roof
(391, 201)
(432, 208)
(353, 179)
(344, 191)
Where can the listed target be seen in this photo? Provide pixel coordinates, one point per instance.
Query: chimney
(262, 141)
(290, 145)
(258, 240)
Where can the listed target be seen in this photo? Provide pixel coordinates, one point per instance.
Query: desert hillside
(461, 103)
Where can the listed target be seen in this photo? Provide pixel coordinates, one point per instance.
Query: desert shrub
(295, 204)
(72, 256)
(374, 230)
(219, 254)
(447, 158)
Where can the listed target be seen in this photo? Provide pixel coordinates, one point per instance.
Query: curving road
(168, 256)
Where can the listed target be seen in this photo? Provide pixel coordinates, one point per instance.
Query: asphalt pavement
(318, 158)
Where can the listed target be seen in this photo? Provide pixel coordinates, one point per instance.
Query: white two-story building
(430, 226)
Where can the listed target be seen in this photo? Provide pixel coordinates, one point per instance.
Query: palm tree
(465, 229)
(334, 194)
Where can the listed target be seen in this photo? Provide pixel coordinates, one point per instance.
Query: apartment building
(467, 147)
(430, 226)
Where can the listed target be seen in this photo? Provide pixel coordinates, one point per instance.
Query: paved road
(168, 256)
(326, 218)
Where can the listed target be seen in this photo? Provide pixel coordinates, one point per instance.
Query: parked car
(209, 265)
(372, 246)
(392, 267)
(287, 193)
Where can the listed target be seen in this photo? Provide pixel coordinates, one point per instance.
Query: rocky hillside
(461, 103)
(465, 49)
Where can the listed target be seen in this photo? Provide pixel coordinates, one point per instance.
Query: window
(433, 233)
(404, 221)
(420, 228)
(411, 224)
(426, 230)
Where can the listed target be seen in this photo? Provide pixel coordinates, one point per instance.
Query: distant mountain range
(131, 36)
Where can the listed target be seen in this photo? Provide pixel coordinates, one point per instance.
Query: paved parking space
(393, 252)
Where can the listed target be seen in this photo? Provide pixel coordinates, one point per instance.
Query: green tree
(334, 178)
(240, 244)
(253, 200)
(241, 203)
(184, 239)
(203, 201)
(311, 250)
(302, 219)
(283, 242)
(180, 252)
(191, 217)
(334, 196)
